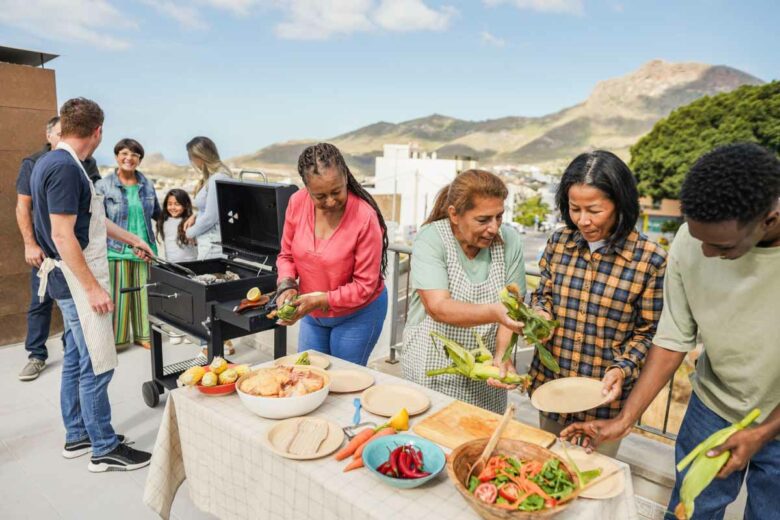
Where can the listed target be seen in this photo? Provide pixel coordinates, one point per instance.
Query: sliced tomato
(551, 503)
(509, 492)
(487, 474)
(486, 492)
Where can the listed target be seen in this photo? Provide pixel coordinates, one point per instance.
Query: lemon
(253, 294)
(400, 421)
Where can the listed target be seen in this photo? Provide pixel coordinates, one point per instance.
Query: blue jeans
(350, 337)
(763, 472)
(86, 410)
(38, 321)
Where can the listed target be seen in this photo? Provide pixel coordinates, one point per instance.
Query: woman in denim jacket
(132, 204)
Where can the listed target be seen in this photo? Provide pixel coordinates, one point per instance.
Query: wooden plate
(316, 360)
(608, 488)
(568, 395)
(386, 400)
(349, 380)
(279, 435)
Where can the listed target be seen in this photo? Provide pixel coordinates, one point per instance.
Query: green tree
(530, 208)
(662, 158)
(670, 226)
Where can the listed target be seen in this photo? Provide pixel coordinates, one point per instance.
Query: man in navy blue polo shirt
(71, 229)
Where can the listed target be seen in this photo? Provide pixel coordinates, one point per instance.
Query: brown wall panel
(28, 99)
(14, 291)
(13, 327)
(27, 87)
(21, 127)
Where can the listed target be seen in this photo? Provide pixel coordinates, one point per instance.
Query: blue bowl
(377, 452)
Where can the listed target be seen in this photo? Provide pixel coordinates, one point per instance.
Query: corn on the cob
(704, 468)
(241, 369)
(218, 365)
(465, 363)
(192, 376)
(209, 379)
(228, 376)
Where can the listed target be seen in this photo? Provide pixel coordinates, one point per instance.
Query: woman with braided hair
(333, 259)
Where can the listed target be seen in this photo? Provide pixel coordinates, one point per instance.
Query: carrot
(355, 464)
(359, 438)
(389, 430)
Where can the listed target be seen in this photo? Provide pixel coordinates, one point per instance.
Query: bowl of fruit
(217, 378)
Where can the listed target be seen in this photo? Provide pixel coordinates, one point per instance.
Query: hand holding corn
(536, 330)
(705, 464)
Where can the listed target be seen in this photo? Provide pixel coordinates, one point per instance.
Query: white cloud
(490, 39)
(95, 22)
(412, 15)
(545, 6)
(239, 7)
(321, 19)
(186, 15)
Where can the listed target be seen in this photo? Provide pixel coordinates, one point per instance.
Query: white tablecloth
(217, 444)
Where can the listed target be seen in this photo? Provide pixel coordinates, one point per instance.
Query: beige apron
(98, 329)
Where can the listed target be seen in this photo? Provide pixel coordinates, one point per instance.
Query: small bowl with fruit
(217, 378)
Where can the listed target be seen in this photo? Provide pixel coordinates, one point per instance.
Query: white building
(417, 178)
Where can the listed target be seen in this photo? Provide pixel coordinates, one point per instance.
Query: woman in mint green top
(131, 203)
(461, 258)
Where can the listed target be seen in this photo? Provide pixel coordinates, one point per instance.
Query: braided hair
(325, 155)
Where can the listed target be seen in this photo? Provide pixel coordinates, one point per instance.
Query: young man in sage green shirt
(722, 282)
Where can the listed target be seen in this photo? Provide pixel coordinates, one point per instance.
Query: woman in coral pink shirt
(333, 258)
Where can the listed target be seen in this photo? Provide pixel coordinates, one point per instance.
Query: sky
(249, 73)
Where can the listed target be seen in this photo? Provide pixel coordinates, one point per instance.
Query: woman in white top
(204, 227)
(176, 209)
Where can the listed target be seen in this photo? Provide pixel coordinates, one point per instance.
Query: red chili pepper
(406, 470)
(394, 461)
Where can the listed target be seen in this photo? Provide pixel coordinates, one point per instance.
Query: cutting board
(459, 422)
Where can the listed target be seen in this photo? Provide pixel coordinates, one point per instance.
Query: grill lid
(251, 217)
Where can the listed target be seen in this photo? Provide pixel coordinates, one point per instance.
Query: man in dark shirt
(39, 312)
(71, 229)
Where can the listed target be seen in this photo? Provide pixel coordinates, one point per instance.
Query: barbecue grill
(251, 218)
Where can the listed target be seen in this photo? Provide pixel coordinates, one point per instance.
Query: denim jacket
(115, 202)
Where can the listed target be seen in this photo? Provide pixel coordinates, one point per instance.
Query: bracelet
(287, 284)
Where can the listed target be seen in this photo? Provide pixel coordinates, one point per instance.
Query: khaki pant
(609, 449)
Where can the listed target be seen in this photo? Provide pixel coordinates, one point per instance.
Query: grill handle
(256, 172)
(126, 290)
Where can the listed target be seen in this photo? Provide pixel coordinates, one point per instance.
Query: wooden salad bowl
(462, 458)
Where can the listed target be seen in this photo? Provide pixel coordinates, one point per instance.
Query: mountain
(615, 115)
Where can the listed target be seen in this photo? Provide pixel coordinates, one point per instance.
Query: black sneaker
(122, 458)
(84, 446)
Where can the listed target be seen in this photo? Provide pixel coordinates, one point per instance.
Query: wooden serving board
(459, 422)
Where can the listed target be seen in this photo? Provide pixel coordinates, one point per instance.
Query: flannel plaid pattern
(608, 304)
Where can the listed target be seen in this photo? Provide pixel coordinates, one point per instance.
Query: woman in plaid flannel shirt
(603, 282)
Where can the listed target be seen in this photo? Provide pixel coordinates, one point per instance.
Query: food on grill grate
(212, 278)
(282, 382)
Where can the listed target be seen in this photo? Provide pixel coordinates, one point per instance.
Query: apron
(420, 354)
(98, 329)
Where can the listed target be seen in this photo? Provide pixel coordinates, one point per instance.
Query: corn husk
(536, 328)
(192, 376)
(303, 359)
(703, 469)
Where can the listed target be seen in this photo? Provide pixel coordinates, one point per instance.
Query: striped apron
(421, 354)
(98, 329)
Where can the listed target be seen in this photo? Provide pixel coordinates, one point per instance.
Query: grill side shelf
(253, 320)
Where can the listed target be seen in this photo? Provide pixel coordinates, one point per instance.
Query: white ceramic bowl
(285, 407)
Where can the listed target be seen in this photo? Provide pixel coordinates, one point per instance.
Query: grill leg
(280, 342)
(216, 344)
(157, 357)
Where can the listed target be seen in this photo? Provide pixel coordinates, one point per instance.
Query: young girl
(176, 209)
